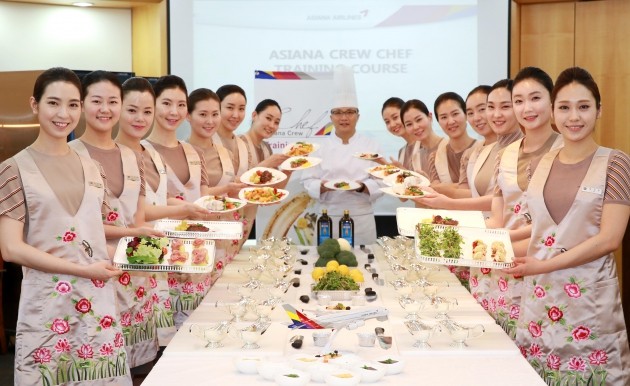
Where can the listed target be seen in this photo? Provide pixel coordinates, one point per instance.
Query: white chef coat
(339, 162)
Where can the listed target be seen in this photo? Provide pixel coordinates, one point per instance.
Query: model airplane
(350, 319)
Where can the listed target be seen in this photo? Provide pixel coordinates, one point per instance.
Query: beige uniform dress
(134, 289)
(68, 329)
(571, 327)
(499, 293)
(186, 289)
(157, 194)
(445, 164)
(407, 159)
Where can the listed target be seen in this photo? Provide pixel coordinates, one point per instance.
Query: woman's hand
(526, 266)
(233, 188)
(195, 212)
(101, 270)
(144, 231)
(274, 161)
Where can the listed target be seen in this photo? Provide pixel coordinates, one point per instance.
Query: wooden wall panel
(515, 38)
(149, 39)
(547, 36)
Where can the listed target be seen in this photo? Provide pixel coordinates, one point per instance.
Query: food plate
(408, 218)
(310, 162)
(229, 204)
(252, 175)
(351, 185)
(395, 179)
(382, 171)
(228, 230)
(367, 156)
(300, 149)
(263, 196)
(398, 193)
(481, 248)
(120, 259)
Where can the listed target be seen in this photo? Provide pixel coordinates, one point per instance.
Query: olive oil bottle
(346, 228)
(324, 227)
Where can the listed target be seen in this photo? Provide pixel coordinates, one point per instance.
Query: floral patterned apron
(571, 327)
(68, 330)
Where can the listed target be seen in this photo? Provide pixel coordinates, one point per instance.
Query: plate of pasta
(263, 196)
(299, 149)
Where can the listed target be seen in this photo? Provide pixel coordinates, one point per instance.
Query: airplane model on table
(349, 319)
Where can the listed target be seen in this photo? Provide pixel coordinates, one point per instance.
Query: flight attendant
(418, 122)
(571, 327)
(68, 330)
(393, 121)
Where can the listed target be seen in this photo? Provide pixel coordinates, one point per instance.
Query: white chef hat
(344, 90)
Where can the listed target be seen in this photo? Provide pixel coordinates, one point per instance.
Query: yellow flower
(302, 223)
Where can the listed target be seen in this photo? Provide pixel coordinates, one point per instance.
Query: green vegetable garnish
(451, 243)
(366, 367)
(429, 240)
(389, 361)
(292, 375)
(334, 281)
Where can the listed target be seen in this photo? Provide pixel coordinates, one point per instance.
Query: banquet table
(491, 359)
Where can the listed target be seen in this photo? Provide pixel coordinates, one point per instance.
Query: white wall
(36, 37)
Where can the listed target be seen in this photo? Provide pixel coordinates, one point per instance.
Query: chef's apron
(186, 289)
(134, 289)
(68, 331)
(162, 310)
(571, 327)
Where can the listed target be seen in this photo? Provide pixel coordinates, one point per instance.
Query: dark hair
(52, 75)
(198, 95)
(168, 82)
(503, 83)
(100, 76)
(137, 84)
(536, 74)
(393, 102)
(413, 104)
(449, 96)
(482, 88)
(228, 89)
(262, 105)
(580, 76)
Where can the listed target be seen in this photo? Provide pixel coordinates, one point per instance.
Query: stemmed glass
(422, 332)
(460, 333)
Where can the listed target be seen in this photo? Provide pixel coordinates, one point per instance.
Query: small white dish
(276, 176)
(393, 364)
(310, 162)
(219, 204)
(398, 191)
(304, 361)
(343, 377)
(247, 364)
(320, 370)
(370, 372)
(292, 378)
(342, 185)
(269, 368)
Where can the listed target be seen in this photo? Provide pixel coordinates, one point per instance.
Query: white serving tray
(120, 259)
(488, 236)
(227, 230)
(408, 218)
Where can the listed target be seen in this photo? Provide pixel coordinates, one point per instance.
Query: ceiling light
(83, 4)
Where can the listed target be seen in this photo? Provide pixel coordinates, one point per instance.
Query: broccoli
(328, 249)
(321, 262)
(347, 258)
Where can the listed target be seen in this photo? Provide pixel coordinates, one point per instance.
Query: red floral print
(484, 304)
(200, 288)
(577, 364)
(172, 282)
(83, 306)
(106, 350)
(68, 236)
(125, 319)
(523, 351)
(515, 311)
(485, 271)
(219, 265)
(63, 287)
(85, 352)
(206, 281)
(155, 298)
(535, 329)
(493, 305)
(598, 357)
(539, 292)
(501, 303)
(125, 279)
(98, 283)
(139, 318)
(140, 292)
(473, 282)
(573, 290)
(553, 362)
(112, 216)
(188, 287)
(517, 208)
(535, 351)
(180, 196)
(581, 333)
(555, 314)
(60, 326)
(42, 355)
(62, 346)
(147, 308)
(118, 340)
(106, 321)
(549, 241)
(167, 304)
(503, 284)
(236, 216)
(152, 282)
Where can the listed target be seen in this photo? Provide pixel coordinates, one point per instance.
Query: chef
(339, 162)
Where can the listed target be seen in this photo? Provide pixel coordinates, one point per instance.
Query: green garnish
(429, 240)
(366, 367)
(451, 243)
(334, 281)
(389, 361)
(292, 375)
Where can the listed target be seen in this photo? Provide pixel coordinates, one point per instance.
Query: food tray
(120, 259)
(336, 296)
(228, 230)
(488, 236)
(408, 218)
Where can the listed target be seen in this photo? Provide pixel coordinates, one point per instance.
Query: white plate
(289, 148)
(367, 156)
(351, 185)
(120, 259)
(379, 171)
(312, 161)
(390, 180)
(205, 199)
(390, 190)
(284, 193)
(226, 230)
(407, 218)
(276, 176)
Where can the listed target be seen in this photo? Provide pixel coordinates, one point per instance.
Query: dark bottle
(324, 227)
(346, 228)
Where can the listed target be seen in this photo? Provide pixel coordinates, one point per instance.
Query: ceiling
(97, 3)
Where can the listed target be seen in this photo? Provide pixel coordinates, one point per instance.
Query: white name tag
(591, 189)
(133, 178)
(162, 171)
(231, 174)
(194, 163)
(97, 185)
